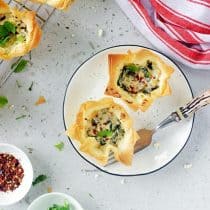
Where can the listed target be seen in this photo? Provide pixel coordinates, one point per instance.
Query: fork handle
(196, 104)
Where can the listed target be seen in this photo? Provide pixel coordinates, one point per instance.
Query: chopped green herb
(20, 38)
(6, 30)
(59, 146)
(149, 64)
(31, 86)
(66, 206)
(21, 117)
(19, 65)
(39, 179)
(10, 27)
(132, 67)
(18, 84)
(105, 133)
(3, 101)
(147, 74)
(90, 195)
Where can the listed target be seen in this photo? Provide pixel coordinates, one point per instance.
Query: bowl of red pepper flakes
(16, 174)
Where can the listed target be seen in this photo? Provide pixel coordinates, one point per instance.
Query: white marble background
(70, 38)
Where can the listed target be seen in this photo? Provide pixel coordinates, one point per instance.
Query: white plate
(47, 200)
(8, 198)
(89, 82)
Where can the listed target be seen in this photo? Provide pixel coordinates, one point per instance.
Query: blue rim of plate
(115, 174)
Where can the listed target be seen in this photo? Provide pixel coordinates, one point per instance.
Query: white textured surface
(60, 52)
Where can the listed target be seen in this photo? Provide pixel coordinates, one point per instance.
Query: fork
(181, 113)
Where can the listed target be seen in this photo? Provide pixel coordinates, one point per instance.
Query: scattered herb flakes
(30, 150)
(20, 117)
(39, 179)
(19, 66)
(91, 195)
(59, 146)
(41, 100)
(31, 86)
(18, 84)
(3, 101)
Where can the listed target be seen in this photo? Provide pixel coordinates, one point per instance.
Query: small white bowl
(46, 201)
(11, 197)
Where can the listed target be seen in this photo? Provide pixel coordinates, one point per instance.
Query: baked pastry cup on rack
(19, 32)
(138, 78)
(102, 127)
(58, 4)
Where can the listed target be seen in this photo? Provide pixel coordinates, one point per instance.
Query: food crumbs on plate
(161, 157)
(49, 189)
(40, 101)
(123, 181)
(96, 176)
(187, 165)
(12, 106)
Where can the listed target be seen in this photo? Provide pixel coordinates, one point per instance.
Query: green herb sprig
(19, 66)
(6, 30)
(66, 206)
(59, 146)
(39, 179)
(3, 101)
(105, 133)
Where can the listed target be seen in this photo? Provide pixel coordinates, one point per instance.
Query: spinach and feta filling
(136, 79)
(105, 127)
(12, 31)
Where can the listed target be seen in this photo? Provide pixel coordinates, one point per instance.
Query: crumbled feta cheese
(156, 145)
(187, 165)
(123, 181)
(100, 32)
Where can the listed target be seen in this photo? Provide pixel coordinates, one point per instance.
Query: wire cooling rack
(43, 13)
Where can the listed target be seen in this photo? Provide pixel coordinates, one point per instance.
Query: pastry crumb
(187, 165)
(41, 100)
(156, 145)
(100, 32)
(96, 176)
(123, 181)
(49, 189)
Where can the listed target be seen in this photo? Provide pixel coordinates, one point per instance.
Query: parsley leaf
(19, 65)
(59, 146)
(10, 27)
(3, 101)
(66, 206)
(105, 133)
(39, 179)
(132, 67)
(6, 31)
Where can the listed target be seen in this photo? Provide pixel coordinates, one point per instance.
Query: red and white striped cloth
(180, 29)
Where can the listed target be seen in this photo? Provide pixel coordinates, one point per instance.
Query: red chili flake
(11, 172)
